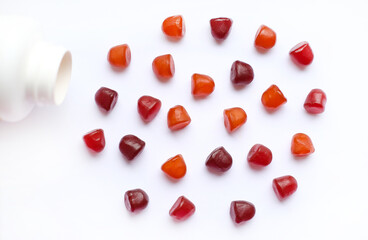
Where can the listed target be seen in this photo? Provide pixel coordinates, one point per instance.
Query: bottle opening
(63, 78)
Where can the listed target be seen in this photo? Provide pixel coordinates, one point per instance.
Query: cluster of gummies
(219, 160)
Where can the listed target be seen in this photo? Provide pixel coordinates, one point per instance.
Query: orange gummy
(175, 167)
(177, 118)
(119, 56)
(301, 145)
(273, 98)
(234, 118)
(174, 27)
(265, 38)
(202, 85)
(163, 67)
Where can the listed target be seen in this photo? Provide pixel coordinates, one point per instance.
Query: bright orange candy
(174, 27)
(119, 56)
(177, 118)
(175, 167)
(301, 145)
(265, 38)
(202, 85)
(234, 118)
(163, 67)
(273, 98)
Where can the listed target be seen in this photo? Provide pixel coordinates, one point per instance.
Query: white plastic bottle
(32, 71)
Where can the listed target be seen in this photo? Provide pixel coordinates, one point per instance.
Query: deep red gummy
(219, 160)
(182, 209)
(95, 140)
(130, 146)
(259, 155)
(148, 108)
(241, 211)
(315, 101)
(220, 28)
(106, 99)
(284, 186)
(302, 53)
(136, 200)
(241, 74)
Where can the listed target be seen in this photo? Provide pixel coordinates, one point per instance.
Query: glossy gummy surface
(119, 56)
(219, 160)
(136, 200)
(182, 209)
(175, 167)
(259, 155)
(301, 145)
(163, 67)
(130, 146)
(202, 85)
(273, 98)
(106, 99)
(234, 118)
(242, 211)
(302, 53)
(284, 186)
(220, 28)
(148, 107)
(265, 38)
(95, 140)
(177, 118)
(241, 74)
(174, 27)
(315, 102)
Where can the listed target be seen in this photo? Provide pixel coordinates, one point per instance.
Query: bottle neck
(48, 73)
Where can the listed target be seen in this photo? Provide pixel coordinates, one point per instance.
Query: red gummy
(284, 186)
(119, 56)
(220, 28)
(302, 53)
(95, 140)
(136, 200)
(106, 99)
(315, 102)
(219, 160)
(241, 211)
(148, 108)
(241, 74)
(182, 209)
(259, 155)
(130, 146)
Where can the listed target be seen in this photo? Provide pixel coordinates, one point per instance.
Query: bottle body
(32, 72)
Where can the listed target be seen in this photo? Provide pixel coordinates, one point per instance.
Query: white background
(52, 187)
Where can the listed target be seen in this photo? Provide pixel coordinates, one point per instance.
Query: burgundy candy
(241, 74)
(136, 200)
(284, 186)
(219, 160)
(148, 108)
(220, 28)
(315, 102)
(95, 140)
(182, 209)
(302, 53)
(106, 99)
(241, 211)
(130, 146)
(259, 155)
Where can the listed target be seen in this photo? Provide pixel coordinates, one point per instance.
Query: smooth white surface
(51, 187)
